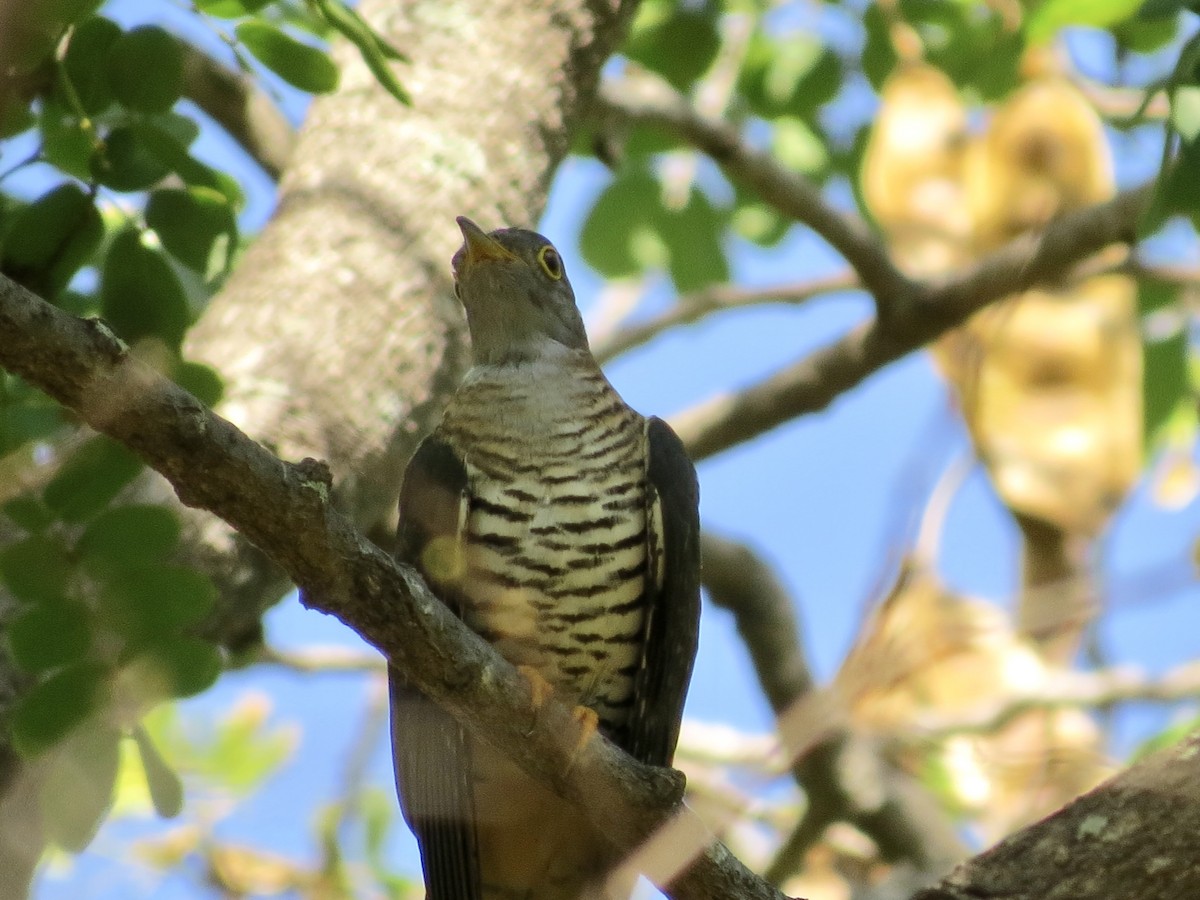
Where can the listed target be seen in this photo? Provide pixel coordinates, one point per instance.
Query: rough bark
(1134, 836)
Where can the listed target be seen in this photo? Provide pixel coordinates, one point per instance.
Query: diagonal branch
(834, 765)
(235, 102)
(718, 298)
(284, 509)
(648, 101)
(1134, 836)
(812, 383)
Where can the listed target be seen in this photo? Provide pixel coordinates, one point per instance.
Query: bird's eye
(551, 262)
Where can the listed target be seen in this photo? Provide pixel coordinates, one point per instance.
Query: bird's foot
(540, 690)
(589, 724)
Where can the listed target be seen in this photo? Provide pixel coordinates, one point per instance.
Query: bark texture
(1134, 836)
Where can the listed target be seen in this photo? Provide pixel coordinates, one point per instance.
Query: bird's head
(515, 290)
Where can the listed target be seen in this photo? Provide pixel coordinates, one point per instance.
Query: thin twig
(692, 308)
(1067, 689)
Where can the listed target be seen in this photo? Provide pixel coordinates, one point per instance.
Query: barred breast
(556, 541)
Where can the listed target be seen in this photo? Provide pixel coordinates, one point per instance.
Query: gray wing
(673, 624)
(430, 751)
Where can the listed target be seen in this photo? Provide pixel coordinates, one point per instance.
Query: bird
(562, 527)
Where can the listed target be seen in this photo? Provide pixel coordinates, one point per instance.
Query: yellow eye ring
(551, 262)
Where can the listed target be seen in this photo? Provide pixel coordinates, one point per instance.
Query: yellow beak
(479, 245)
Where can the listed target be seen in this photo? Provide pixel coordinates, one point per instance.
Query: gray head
(516, 294)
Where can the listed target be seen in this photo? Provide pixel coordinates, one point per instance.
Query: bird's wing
(430, 751)
(673, 611)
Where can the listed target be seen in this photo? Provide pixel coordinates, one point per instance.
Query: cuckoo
(562, 527)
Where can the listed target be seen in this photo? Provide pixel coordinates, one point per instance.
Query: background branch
(241, 107)
(718, 298)
(1131, 837)
(842, 774)
(648, 101)
(813, 382)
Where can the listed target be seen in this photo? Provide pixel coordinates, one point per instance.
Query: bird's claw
(589, 724)
(540, 691)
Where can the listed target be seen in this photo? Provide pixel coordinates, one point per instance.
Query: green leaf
(794, 75)
(1162, 9)
(124, 163)
(78, 788)
(230, 9)
(29, 513)
(693, 238)
(141, 295)
(185, 665)
(182, 131)
(1051, 16)
(1177, 192)
(165, 139)
(146, 603)
(16, 116)
(979, 52)
(1166, 384)
(52, 708)
(86, 62)
(798, 147)
(374, 50)
(194, 224)
(1146, 35)
(36, 568)
(66, 144)
(51, 238)
(613, 239)
(129, 536)
(678, 43)
(145, 69)
(1185, 112)
(245, 752)
(1168, 737)
(166, 790)
(878, 56)
(28, 421)
(64, 12)
(756, 220)
(201, 381)
(300, 65)
(90, 478)
(50, 634)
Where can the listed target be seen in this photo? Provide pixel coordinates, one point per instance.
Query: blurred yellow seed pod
(1050, 380)
(912, 173)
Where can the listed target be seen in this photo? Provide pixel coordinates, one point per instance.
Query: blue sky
(829, 500)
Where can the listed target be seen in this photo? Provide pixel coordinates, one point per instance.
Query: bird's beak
(479, 245)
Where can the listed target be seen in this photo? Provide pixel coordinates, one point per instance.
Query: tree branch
(1134, 836)
(718, 298)
(649, 101)
(834, 765)
(812, 383)
(285, 510)
(235, 102)
(1094, 689)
